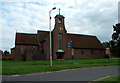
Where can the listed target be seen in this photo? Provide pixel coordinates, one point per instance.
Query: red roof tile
(23, 38)
(78, 41)
(85, 41)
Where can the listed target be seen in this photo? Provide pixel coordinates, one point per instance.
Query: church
(64, 45)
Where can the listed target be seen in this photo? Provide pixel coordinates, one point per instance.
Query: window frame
(82, 52)
(34, 47)
(22, 49)
(60, 41)
(92, 52)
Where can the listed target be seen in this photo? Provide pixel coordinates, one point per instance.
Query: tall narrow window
(34, 48)
(91, 52)
(82, 52)
(60, 41)
(41, 46)
(22, 49)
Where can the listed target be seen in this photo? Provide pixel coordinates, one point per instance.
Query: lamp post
(50, 36)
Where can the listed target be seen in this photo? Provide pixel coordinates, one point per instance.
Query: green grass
(111, 79)
(23, 67)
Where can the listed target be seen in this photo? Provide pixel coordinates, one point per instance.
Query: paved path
(81, 74)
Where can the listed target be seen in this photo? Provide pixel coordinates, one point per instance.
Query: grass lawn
(22, 67)
(111, 79)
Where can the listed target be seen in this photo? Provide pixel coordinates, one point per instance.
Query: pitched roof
(42, 35)
(78, 41)
(26, 39)
(85, 41)
(13, 48)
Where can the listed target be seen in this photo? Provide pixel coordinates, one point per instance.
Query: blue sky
(91, 17)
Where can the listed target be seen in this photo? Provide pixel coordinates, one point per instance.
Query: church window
(60, 41)
(34, 48)
(41, 46)
(91, 52)
(82, 52)
(22, 49)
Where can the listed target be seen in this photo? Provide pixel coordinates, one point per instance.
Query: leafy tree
(106, 44)
(6, 52)
(115, 42)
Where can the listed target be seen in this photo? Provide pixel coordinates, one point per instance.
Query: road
(81, 74)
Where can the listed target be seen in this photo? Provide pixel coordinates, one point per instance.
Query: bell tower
(59, 22)
(59, 38)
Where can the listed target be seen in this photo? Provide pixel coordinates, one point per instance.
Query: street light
(50, 36)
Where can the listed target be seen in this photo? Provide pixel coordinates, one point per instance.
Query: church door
(59, 55)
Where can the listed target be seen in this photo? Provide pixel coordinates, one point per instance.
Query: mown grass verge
(111, 79)
(10, 67)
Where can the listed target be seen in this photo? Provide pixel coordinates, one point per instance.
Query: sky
(89, 17)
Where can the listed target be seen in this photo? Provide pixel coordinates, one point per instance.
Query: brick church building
(64, 45)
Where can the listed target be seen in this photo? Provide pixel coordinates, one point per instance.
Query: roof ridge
(81, 34)
(42, 31)
(27, 33)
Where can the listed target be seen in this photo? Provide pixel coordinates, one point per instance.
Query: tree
(115, 42)
(106, 44)
(6, 52)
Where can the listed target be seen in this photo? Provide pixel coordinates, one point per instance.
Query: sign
(68, 43)
(68, 46)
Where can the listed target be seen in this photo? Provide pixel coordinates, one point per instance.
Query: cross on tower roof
(59, 11)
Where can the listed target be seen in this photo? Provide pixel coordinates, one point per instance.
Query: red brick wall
(27, 52)
(13, 53)
(18, 55)
(68, 50)
(87, 53)
(29, 55)
(6, 57)
(46, 47)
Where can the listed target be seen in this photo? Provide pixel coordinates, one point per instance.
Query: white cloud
(86, 17)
